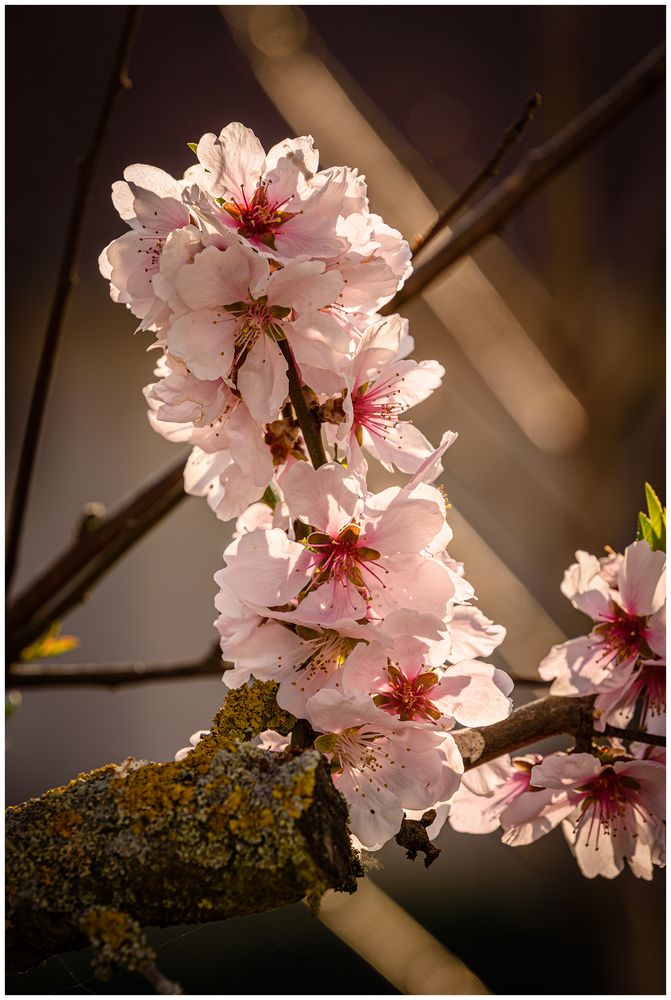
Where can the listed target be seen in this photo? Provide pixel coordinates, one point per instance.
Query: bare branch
(65, 283)
(550, 716)
(113, 675)
(68, 579)
(511, 136)
(538, 167)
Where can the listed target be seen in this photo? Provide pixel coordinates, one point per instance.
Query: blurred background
(552, 337)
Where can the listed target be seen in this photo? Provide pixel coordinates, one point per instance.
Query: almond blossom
(403, 684)
(381, 765)
(628, 637)
(239, 310)
(612, 813)
(362, 556)
(273, 200)
(488, 791)
(380, 387)
(150, 201)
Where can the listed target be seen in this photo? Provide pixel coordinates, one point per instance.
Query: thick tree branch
(511, 136)
(538, 167)
(227, 831)
(96, 549)
(549, 716)
(65, 283)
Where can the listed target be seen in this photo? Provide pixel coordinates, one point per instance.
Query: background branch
(68, 579)
(537, 168)
(511, 136)
(112, 675)
(65, 283)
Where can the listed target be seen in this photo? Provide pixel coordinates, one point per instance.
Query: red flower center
(408, 698)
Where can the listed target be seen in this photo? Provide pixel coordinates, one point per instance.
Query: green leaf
(652, 526)
(52, 643)
(193, 146)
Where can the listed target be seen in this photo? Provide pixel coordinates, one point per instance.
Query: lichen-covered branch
(229, 830)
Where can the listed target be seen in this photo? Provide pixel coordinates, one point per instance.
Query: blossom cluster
(260, 277)
(610, 802)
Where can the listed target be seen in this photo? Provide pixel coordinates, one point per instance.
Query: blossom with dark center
(364, 555)
(381, 387)
(629, 614)
(238, 311)
(612, 813)
(380, 765)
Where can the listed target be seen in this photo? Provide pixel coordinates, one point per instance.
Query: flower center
(376, 409)
(328, 652)
(255, 317)
(408, 698)
(606, 802)
(259, 217)
(342, 559)
(623, 636)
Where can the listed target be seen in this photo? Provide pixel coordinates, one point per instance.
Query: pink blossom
(380, 388)
(403, 684)
(380, 765)
(239, 310)
(616, 659)
(150, 201)
(612, 812)
(362, 556)
(489, 791)
(276, 201)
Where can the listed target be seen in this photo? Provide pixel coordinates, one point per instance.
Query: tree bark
(229, 830)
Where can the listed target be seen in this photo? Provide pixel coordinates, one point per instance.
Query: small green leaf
(52, 643)
(652, 526)
(193, 146)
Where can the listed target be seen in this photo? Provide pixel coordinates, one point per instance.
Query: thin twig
(69, 578)
(307, 423)
(511, 136)
(113, 675)
(538, 167)
(65, 283)
(635, 736)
